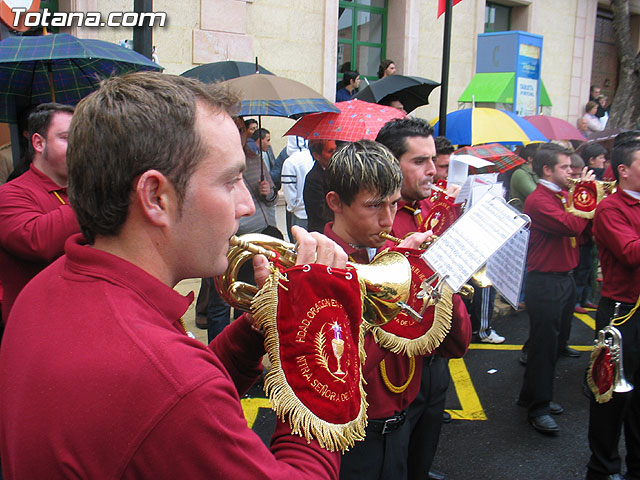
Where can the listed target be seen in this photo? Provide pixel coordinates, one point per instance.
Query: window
(497, 18)
(362, 35)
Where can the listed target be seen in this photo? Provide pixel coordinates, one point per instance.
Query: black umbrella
(220, 71)
(413, 92)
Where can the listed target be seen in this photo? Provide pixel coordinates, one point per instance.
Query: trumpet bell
(386, 281)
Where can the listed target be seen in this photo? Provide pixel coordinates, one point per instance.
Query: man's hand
(313, 247)
(416, 239)
(587, 175)
(264, 188)
(453, 190)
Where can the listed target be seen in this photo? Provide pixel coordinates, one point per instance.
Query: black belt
(386, 425)
(557, 274)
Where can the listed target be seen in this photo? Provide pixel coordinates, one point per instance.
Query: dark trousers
(378, 457)
(425, 416)
(583, 274)
(550, 298)
(606, 419)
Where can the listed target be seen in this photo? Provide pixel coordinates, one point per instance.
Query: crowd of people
(110, 383)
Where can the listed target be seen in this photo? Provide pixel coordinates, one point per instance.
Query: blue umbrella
(60, 67)
(475, 126)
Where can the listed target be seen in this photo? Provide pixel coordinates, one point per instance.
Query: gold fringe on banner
(426, 343)
(284, 401)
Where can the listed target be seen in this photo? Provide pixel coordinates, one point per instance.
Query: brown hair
(363, 165)
(590, 104)
(547, 155)
(132, 124)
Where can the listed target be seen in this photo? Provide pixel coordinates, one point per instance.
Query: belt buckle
(388, 423)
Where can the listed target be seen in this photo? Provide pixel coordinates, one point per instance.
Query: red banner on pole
(441, 6)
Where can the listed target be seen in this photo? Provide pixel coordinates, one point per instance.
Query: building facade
(310, 40)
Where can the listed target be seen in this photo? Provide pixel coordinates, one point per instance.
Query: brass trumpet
(386, 281)
(607, 186)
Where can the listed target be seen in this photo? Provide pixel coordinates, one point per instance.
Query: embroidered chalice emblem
(337, 343)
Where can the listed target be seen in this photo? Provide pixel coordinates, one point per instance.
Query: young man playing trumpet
(363, 182)
(412, 143)
(112, 386)
(616, 227)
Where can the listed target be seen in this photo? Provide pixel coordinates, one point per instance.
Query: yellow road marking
(586, 319)
(250, 407)
(469, 401)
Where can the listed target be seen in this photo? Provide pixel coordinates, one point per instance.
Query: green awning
(497, 88)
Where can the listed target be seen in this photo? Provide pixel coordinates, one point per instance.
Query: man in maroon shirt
(35, 218)
(411, 141)
(550, 290)
(364, 182)
(109, 384)
(616, 227)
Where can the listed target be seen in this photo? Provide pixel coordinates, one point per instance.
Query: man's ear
(622, 171)
(156, 197)
(334, 202)
(547, 170)
(38, 142)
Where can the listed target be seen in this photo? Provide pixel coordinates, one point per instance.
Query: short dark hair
(624, 137)
(529, 151)
(132, 124)
(547, 156)
(363, 165)
(260, 134)
(393, 134)
(592, 150)
(623, 155)
(384, 64)
(349, 75)
(443, 146)
(40, 119)
(250, 121)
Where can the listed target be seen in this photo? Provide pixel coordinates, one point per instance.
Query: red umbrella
(503, 159)
(357, 120)
(555, 128)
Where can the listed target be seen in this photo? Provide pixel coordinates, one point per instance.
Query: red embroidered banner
(311, 315)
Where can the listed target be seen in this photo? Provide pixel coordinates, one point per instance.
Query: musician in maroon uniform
(364, 182)
(35, 216)
(412, 143)
(616, 227)
(550, 290)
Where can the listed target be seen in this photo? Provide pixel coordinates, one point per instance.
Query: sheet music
(472, 239)
(505, 268)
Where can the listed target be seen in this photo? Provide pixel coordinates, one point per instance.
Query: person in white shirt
(294, 171)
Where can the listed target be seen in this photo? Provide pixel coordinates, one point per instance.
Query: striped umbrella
(60, 67)
(474, 126)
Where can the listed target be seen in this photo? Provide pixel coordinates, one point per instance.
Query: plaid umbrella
(503, 159)
(412, 92)
(61, 68)
(277, 96)
(220, 71)
(555, 128)
(357, 120)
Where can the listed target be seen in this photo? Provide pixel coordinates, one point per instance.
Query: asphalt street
(489, 437)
